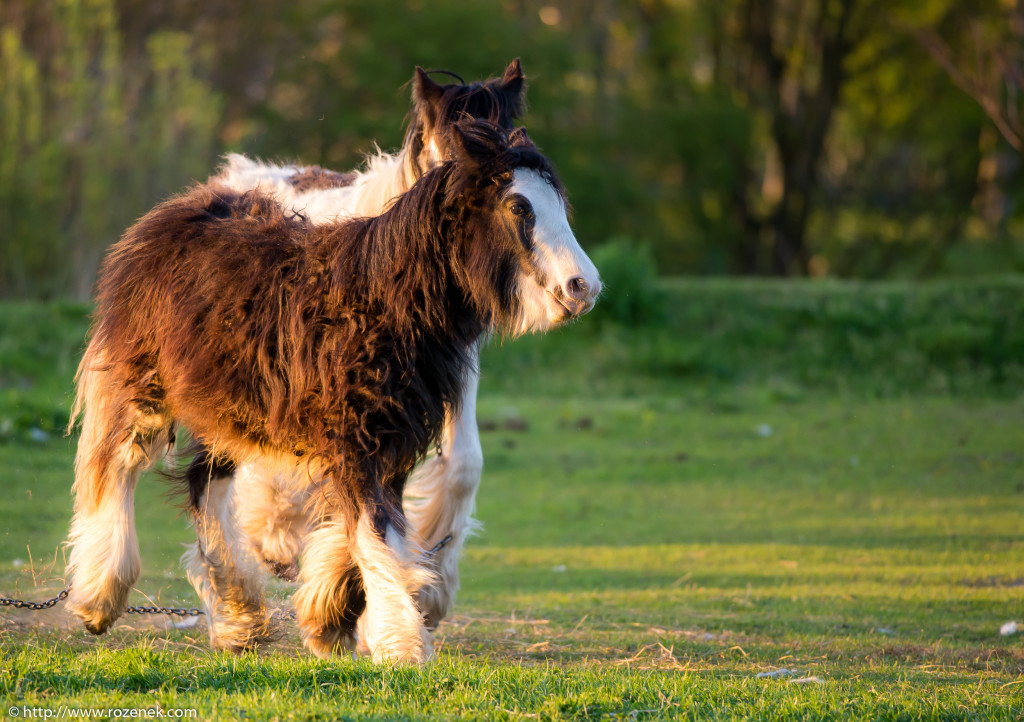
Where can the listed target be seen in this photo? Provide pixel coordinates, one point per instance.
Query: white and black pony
(333, 352)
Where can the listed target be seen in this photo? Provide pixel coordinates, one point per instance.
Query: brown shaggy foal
(255, 516)
(331, 349)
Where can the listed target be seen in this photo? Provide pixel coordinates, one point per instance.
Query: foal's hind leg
(222, 565)
(271, 507)
(123, 433)
(440, 499)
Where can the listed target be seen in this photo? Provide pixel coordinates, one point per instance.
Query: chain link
(37, 606)
(34, 606)
(176, 611)
(437, 547)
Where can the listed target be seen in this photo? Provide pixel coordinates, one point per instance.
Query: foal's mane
(403, 251)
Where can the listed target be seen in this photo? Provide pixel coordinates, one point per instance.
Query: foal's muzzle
(577, 296)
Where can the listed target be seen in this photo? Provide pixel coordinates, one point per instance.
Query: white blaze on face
(572, 283)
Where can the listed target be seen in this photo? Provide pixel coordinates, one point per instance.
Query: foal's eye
(520, 208)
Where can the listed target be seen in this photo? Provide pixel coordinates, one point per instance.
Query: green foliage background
(686, 125)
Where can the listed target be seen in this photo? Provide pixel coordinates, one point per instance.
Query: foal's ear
(426, 94)
(512, 80)
(519, 139)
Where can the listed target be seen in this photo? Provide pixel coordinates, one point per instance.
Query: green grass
(648, 550)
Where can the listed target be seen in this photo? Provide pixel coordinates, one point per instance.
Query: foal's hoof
(96, 622)
(411, 655)
(243, 635)
(96, 629)
(327, 642)
(236, 647)
(97, 602)
(434, 602)
(287, 572)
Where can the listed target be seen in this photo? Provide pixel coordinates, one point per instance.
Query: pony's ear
(426, 94)
(519, 139)
(512, 80)
(477, 141)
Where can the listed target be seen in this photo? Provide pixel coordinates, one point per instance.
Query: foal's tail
(82, 383)
(90, 411)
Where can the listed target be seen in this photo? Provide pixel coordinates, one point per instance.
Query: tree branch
(974, 83)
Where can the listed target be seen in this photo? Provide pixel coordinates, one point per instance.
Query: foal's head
(520, 262)
(436, 109)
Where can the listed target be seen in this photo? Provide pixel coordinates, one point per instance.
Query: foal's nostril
(576, 288)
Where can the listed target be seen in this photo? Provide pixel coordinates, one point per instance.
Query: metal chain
(37, 606)
(437, 547)
(34, 606)
(177, 611)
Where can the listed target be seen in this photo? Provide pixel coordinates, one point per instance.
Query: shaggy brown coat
(436, 111)
(342, 343)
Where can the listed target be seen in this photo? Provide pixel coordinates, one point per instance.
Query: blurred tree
(89, 143)
(900, 171)
(980, 45)
(855, 137)
(787, 61)
(730, 136)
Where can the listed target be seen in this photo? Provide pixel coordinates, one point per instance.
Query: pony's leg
(222, 565)
(123, 433)
(331, 599)
(392, 627)
(272, 514)
(440, 498)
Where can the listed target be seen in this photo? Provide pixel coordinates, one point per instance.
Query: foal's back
(211, 285)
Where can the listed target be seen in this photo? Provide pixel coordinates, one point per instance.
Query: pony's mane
(483, 100)
(402, 245)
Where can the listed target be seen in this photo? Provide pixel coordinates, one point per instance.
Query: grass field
(719, 508)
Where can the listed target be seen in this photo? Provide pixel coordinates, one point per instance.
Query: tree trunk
(800, 119)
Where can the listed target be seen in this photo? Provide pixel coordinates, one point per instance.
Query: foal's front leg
(441, 497)
(357, 563)
(392, 626)
(272, 513)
